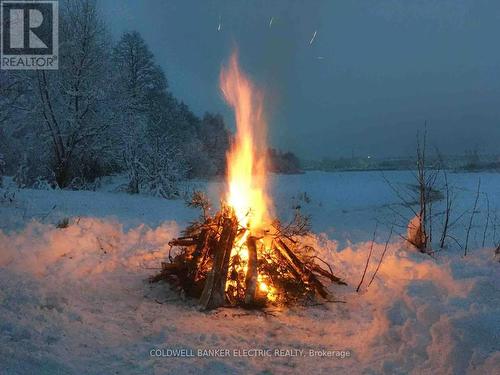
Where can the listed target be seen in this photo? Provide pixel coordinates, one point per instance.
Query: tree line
(107, 109)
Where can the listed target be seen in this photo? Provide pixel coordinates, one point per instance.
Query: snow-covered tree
(215, 138)
(163, 169)
(140, 81)
(15, 109)
(140, 86)
(11, 93)
(106, 109)
(73, 100)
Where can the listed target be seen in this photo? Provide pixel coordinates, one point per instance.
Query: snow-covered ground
(75, 300)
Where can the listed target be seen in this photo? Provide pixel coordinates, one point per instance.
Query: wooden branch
(251, 276)
(295, 263)
(328, 275)
(167, 269)
(304, 273)
(183, 242)
(287, 261)
(213, 294)
(194, 263)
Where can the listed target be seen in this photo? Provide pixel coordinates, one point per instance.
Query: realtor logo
(29, 35)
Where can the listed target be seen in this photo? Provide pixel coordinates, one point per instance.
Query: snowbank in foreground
(75, 300)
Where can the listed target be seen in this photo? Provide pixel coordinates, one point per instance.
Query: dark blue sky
(374, 73)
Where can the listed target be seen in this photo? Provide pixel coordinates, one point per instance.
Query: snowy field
(75, 300)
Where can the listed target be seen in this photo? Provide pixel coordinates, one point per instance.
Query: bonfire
(241, 256)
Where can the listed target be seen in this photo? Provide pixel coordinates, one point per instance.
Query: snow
(54, 205)
(75, 300)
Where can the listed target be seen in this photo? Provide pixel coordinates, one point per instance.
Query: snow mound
(76, 300)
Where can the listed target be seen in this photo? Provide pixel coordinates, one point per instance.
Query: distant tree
(215, 137)
(106, 109)
(23, 178)
(14, 106)
(162, 169)
(140, 82)
(194, 139)
(472, 159)
(182, 126)
(283, 162)
(140, 88)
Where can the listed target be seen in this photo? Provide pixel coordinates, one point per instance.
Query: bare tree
(419, 200)
(420, 227)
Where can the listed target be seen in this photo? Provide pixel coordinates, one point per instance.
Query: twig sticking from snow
(472, 217)
(381, 258)
(487, 218)
(447, 213)
(454, 239)
(368, 260)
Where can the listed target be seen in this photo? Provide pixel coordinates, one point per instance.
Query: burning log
(221, 263)
(214, 290)
(220, 259)
(252, 274)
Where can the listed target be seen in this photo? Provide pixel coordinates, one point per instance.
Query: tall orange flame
(246, 159)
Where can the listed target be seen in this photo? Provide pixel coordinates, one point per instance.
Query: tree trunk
(62, 174)
(133, 185)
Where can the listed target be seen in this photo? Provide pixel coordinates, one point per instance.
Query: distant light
(369, 157)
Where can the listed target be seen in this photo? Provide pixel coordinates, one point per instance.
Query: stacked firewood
(203, 265)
